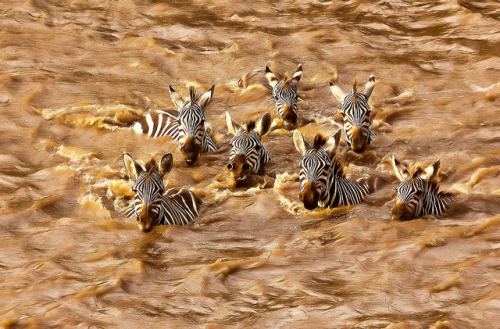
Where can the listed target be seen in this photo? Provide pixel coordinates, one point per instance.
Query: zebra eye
(202, 122)
(257, 147)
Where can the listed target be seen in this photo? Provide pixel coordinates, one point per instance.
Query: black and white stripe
(418, 194)
(285, 97)
(153, 204)
(171, 207)
(356, 114)
(334, 188)
(247, 154)
(422, 198)
(249, 144)
(322, 177)
(188, 121)
(285, 94)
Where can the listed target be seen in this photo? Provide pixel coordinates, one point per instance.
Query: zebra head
(191, 121)
(285, 95)
(412, 191)
(315, 166)
(148, 188)
(247, 152)
(356, 114)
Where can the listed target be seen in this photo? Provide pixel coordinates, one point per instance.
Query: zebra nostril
(230, 166)
(246, 167)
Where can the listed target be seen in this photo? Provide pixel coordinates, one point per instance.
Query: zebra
(153, 204)
(418, 194)
(356, 114)
(322, 178)
(247, 152)
(187, 125)
(285, 95)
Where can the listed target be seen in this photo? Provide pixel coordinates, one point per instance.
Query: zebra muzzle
(310, 196)
(401, 212)
(357, 140)
(190, 150)
(289, 117)
(145, 218)
(239, 168)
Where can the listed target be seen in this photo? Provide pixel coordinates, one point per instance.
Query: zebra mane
(151, 165)
(193, 95)
(354, 88)
(287, 82)
(319, 141)
(285, 77)
(447, 197)
(250, 125)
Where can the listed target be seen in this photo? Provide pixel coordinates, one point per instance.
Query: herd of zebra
(322, 179)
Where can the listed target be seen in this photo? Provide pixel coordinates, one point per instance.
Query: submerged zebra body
(418, 194)
(187, 125)
(247, 153)
(356, 114)
(322, 178)
(153, 204)
(285, 95)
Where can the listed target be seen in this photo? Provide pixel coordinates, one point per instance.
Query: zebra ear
(176, 98)
(333, 143)
(232, 126)
(336, 91)
(166, 164)
(369, 87)
(206, 98)
(297, 75)
(299, 141)
(431, 172)
(399, 170)
(132, 167)
(271, 77)
(264, 124)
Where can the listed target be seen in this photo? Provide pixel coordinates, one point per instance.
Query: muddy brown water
(74, 75)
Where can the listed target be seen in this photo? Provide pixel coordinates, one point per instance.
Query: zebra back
(159, 123)
(179, 207)
(341, 191)
(434, 202)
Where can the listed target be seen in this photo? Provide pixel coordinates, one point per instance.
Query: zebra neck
(339, 190)
(264, 155)
(335, 173)
(336, 169)
(433, 202)
(207, 143)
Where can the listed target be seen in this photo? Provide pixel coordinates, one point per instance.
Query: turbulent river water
(75, 75)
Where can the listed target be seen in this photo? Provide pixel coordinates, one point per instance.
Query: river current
(74, 77)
